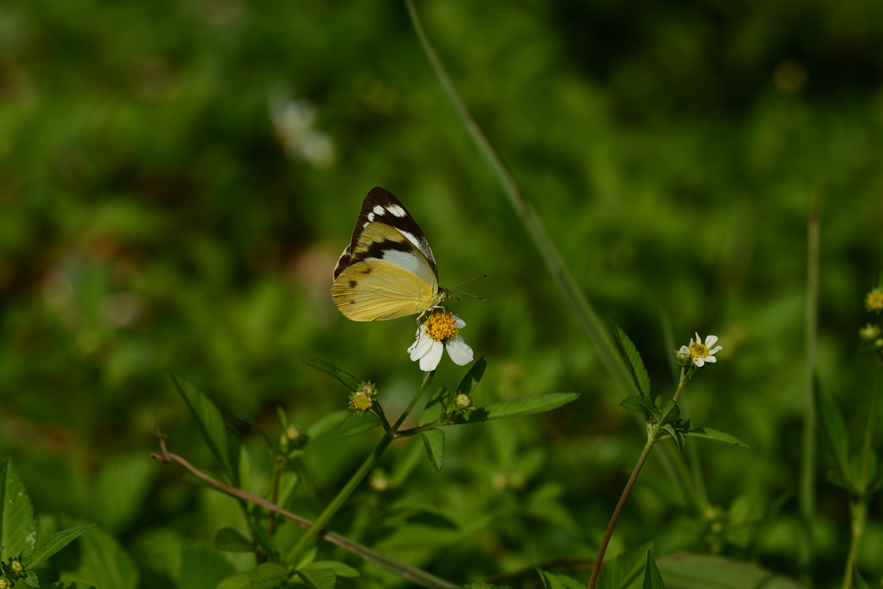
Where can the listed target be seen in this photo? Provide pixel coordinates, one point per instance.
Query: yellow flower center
(698, 350)
(875, 300)
(361, 401)
(440, 326)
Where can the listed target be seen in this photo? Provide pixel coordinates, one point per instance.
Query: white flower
(701, 353)
(437, 334)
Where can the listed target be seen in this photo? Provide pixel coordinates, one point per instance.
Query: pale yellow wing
(376, 290)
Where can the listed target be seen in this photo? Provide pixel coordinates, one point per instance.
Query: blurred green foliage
(178, 178)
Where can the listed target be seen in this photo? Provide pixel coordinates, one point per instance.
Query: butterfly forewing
(388, 269)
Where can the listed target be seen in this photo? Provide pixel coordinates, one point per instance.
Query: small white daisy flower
(437, 334)
(701, 353)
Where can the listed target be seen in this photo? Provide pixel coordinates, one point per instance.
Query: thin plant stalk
(858, 507)
(625, 495)
(585, 314)
(807, 488)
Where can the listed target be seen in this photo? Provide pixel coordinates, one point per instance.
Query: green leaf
(121, 489)
(685, 570)
(518, 407)
(633, 359)
(652, 578)
(433, 410)
(624, 570)
(246, 419)
(18, 528)
(858, 582)
(31, 580)
(472, 378)
(359, 422)
(326, 424)
(713, 435)
(338, 568)
(834, 427)
(552, 581)
(54, 543)
(639, 405)
(347, 379)
(317, 578)
(223, 444)
(268, 574)
(434, 442)
(236, 581)
(670, 412)
(104, 563)
(673, 434)
(229, 540)
(480, 586)
(202, 567)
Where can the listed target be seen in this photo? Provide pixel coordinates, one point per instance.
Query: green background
(156, 211)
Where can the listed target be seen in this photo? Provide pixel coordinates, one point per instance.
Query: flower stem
(869, 432)
(338, 501)
(354, 481)
(625, 495)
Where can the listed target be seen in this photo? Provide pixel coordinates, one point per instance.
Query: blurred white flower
(440, 332)
(701, 353)
(293, 123)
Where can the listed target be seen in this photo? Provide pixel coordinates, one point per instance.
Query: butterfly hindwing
(388, 269)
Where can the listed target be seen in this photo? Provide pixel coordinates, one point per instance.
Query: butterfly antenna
(470, 280)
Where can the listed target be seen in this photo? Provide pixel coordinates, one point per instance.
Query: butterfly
(387, 270)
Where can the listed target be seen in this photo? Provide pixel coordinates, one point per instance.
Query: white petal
(459, 352)
(459, 323)
(711, 359)
(709, 341)
(698, 339)
(684, 350)
(421, 347)
(715, 350)
(698, 362)
(430, 361)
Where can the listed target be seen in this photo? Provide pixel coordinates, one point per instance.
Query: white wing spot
(396, 210)
(378, 210)
(370, 219)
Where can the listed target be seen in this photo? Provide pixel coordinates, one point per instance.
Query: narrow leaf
(434, 442)
(834, 427)
(317, 579)
(347, 379)
(268, 574)
(338, 568)
(326, 424)
(553, 581)
(359, 422)
(674, 435)
(713, 435)
(518, 407)
(245, 418)
(54, 543)
(18, 528)
(104, 563)
(638, 405)
(473, 377)
(633, 359)
(220, 440)
(433, 410)
(229, 540)
(623, 570)
(670, 412)
(701, 571)
(652, 578)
